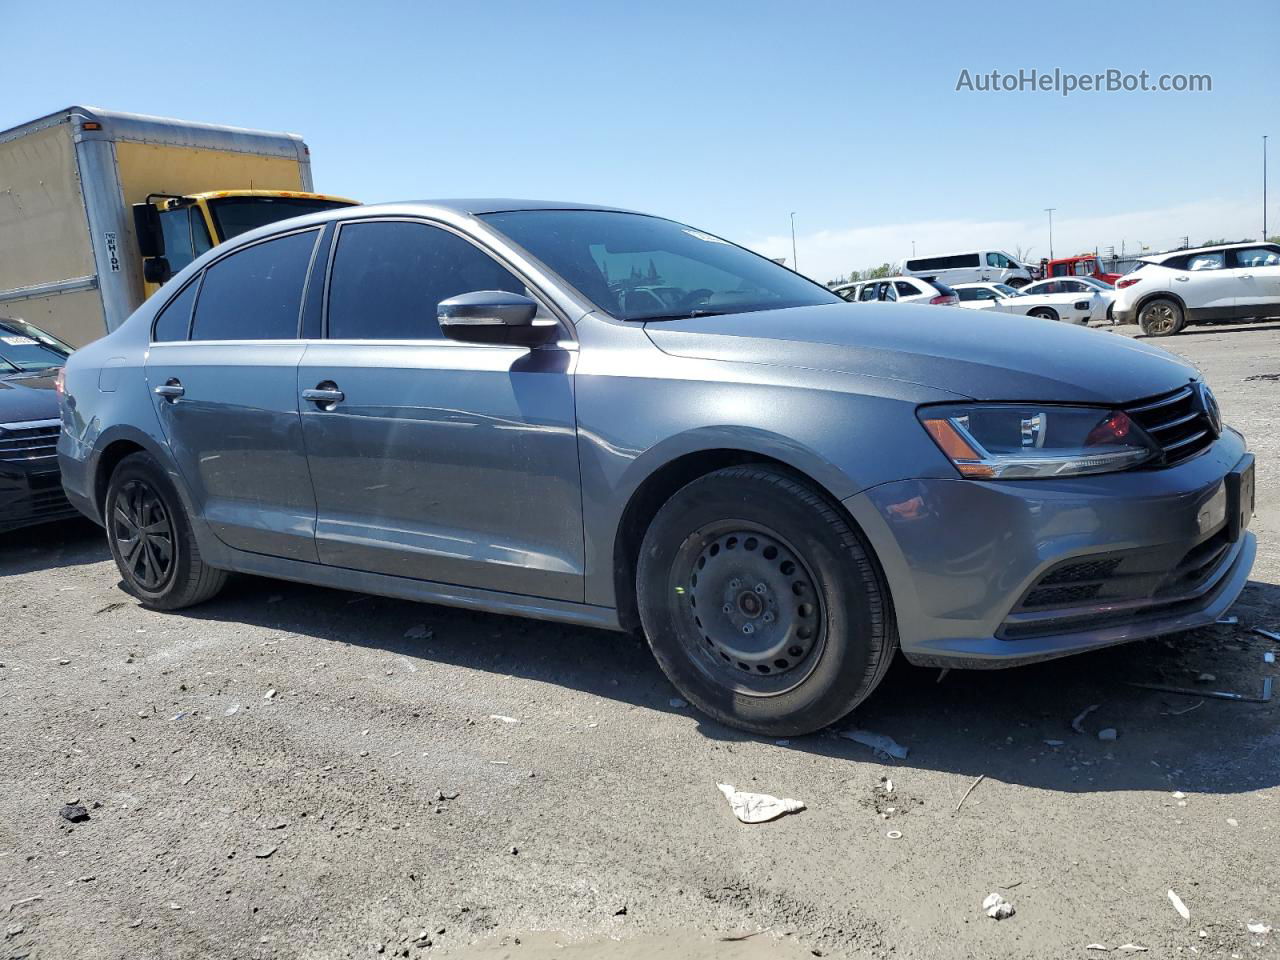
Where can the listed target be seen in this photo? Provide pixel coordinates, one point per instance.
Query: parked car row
(606, 418)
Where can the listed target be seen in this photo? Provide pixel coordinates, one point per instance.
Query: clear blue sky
(728, 115)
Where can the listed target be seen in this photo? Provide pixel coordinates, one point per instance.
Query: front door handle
(324, 395)
(171, 389)
(1246, 276)
(1183, 279)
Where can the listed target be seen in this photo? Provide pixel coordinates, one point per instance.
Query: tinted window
(869, 291)
(906, 289)
(175, 318)
(256, 293)
(925, 264)
(638, 267)
(1206, 261)
(389, 278)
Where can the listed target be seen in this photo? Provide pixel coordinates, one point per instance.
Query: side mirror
(146, 227)
(156, 270)
(494, 316)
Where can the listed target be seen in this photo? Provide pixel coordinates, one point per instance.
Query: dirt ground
(295, 772)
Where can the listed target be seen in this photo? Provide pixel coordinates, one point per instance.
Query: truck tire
(151, 540)
(762, 603)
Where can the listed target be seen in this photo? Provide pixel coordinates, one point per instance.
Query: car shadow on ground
(1201, 330)
(1012, 725)
(1005, 724)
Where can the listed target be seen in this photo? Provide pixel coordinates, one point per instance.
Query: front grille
(31, 442)
(1177, 421)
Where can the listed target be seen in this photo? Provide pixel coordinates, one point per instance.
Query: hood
(983, 355)
(24, 398)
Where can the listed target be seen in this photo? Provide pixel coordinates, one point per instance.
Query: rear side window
(1206, 261)
(925, 264)
(389, 278)
(906, 289)
(256, 293)
(175, 319)
(1267, 256)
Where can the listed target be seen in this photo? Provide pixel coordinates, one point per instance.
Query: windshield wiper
(687, 315)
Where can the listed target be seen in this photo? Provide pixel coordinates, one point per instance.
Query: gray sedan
(611, 419)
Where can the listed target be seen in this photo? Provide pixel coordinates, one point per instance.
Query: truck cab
(1083, 265)
(172, 231)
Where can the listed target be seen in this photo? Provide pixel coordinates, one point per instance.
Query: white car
(1068, 307)
(972, 266)
(1234, 281)
(898, 290)
(1077, 286)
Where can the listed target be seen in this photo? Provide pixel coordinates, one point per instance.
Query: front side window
(999, 260)
(255, 293)
(969, 294)
(185, 235)
(25, 348)
(637, 267)
(1263, 256)
(390, 276)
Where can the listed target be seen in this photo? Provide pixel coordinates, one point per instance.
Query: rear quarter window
(174, 320)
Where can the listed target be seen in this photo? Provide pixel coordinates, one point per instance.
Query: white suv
(1232, 281)
(899, 290)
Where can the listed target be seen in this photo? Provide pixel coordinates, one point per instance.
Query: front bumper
(995, 574)
(30, 484)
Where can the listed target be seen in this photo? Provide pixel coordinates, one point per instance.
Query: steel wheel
(752, 618)
(143, 532)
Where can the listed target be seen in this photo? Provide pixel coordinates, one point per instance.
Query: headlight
(1024, 441)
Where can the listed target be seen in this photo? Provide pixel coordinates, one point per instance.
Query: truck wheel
(1161, 317)
(1044, 313)
(151, 539)
(1018, 283)
(762, 604)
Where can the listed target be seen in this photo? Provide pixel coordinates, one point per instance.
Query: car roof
(1158, 258)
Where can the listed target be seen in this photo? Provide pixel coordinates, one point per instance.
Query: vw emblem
(1209, 404)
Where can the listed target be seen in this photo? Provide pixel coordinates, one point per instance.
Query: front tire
(1161, 317)
(151, 540)
(1044, 313)
(762, 604)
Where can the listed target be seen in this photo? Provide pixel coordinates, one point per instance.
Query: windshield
(233, 216)
(1099, 284)
(24, 348)
(1004, 289)
(637, 267)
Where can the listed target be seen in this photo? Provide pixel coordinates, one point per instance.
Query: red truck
(1084, 265)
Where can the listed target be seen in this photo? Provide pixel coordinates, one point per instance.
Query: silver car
(611, 419)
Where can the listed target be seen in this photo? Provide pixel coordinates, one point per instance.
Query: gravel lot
(295, 772)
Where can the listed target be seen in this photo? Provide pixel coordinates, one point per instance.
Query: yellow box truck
(99, 208)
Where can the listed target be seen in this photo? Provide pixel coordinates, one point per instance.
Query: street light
(795, 264)
(913, 249)
(1049, 210)
(1264, 188)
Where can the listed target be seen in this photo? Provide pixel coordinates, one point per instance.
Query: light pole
(913, 249)
(1049, 210)
(795, 264)
(1264, 188)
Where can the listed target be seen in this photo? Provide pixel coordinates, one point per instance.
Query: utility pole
(1264, 188)
(913, 249)
(795, 264)
(1049, 210)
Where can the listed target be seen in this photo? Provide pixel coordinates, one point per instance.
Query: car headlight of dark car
(990, 441)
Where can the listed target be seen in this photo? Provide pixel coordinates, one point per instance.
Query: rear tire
(1017, 283)
(1161, 317)
(762, 604)
(151, 540)
(1044, 313)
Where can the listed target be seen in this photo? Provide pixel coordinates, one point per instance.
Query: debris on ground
(264, 852)
(997, 907)
(499, 717)
(878, 742)
(75, 813)
(981, 777)
(1097, 946)
(1079, 717)
(269, 695)
(1258, 928)
(1178, 905)
(1133, 948)
(894, 834)
(1267, 633)
(758, 807)
(418, 632)
(1206, 678)
(886, 785)
(1177, 713)
(677, 704)
(1228, 621)
(1107, 733)
(1054, 743)
(441, 795)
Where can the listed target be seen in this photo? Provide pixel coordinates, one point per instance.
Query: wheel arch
(112, 447)
(661, 483)
(1160, 295)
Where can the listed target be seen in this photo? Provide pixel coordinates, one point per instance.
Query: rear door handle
(1184, 279)
(171, 389)
(1246, 276)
